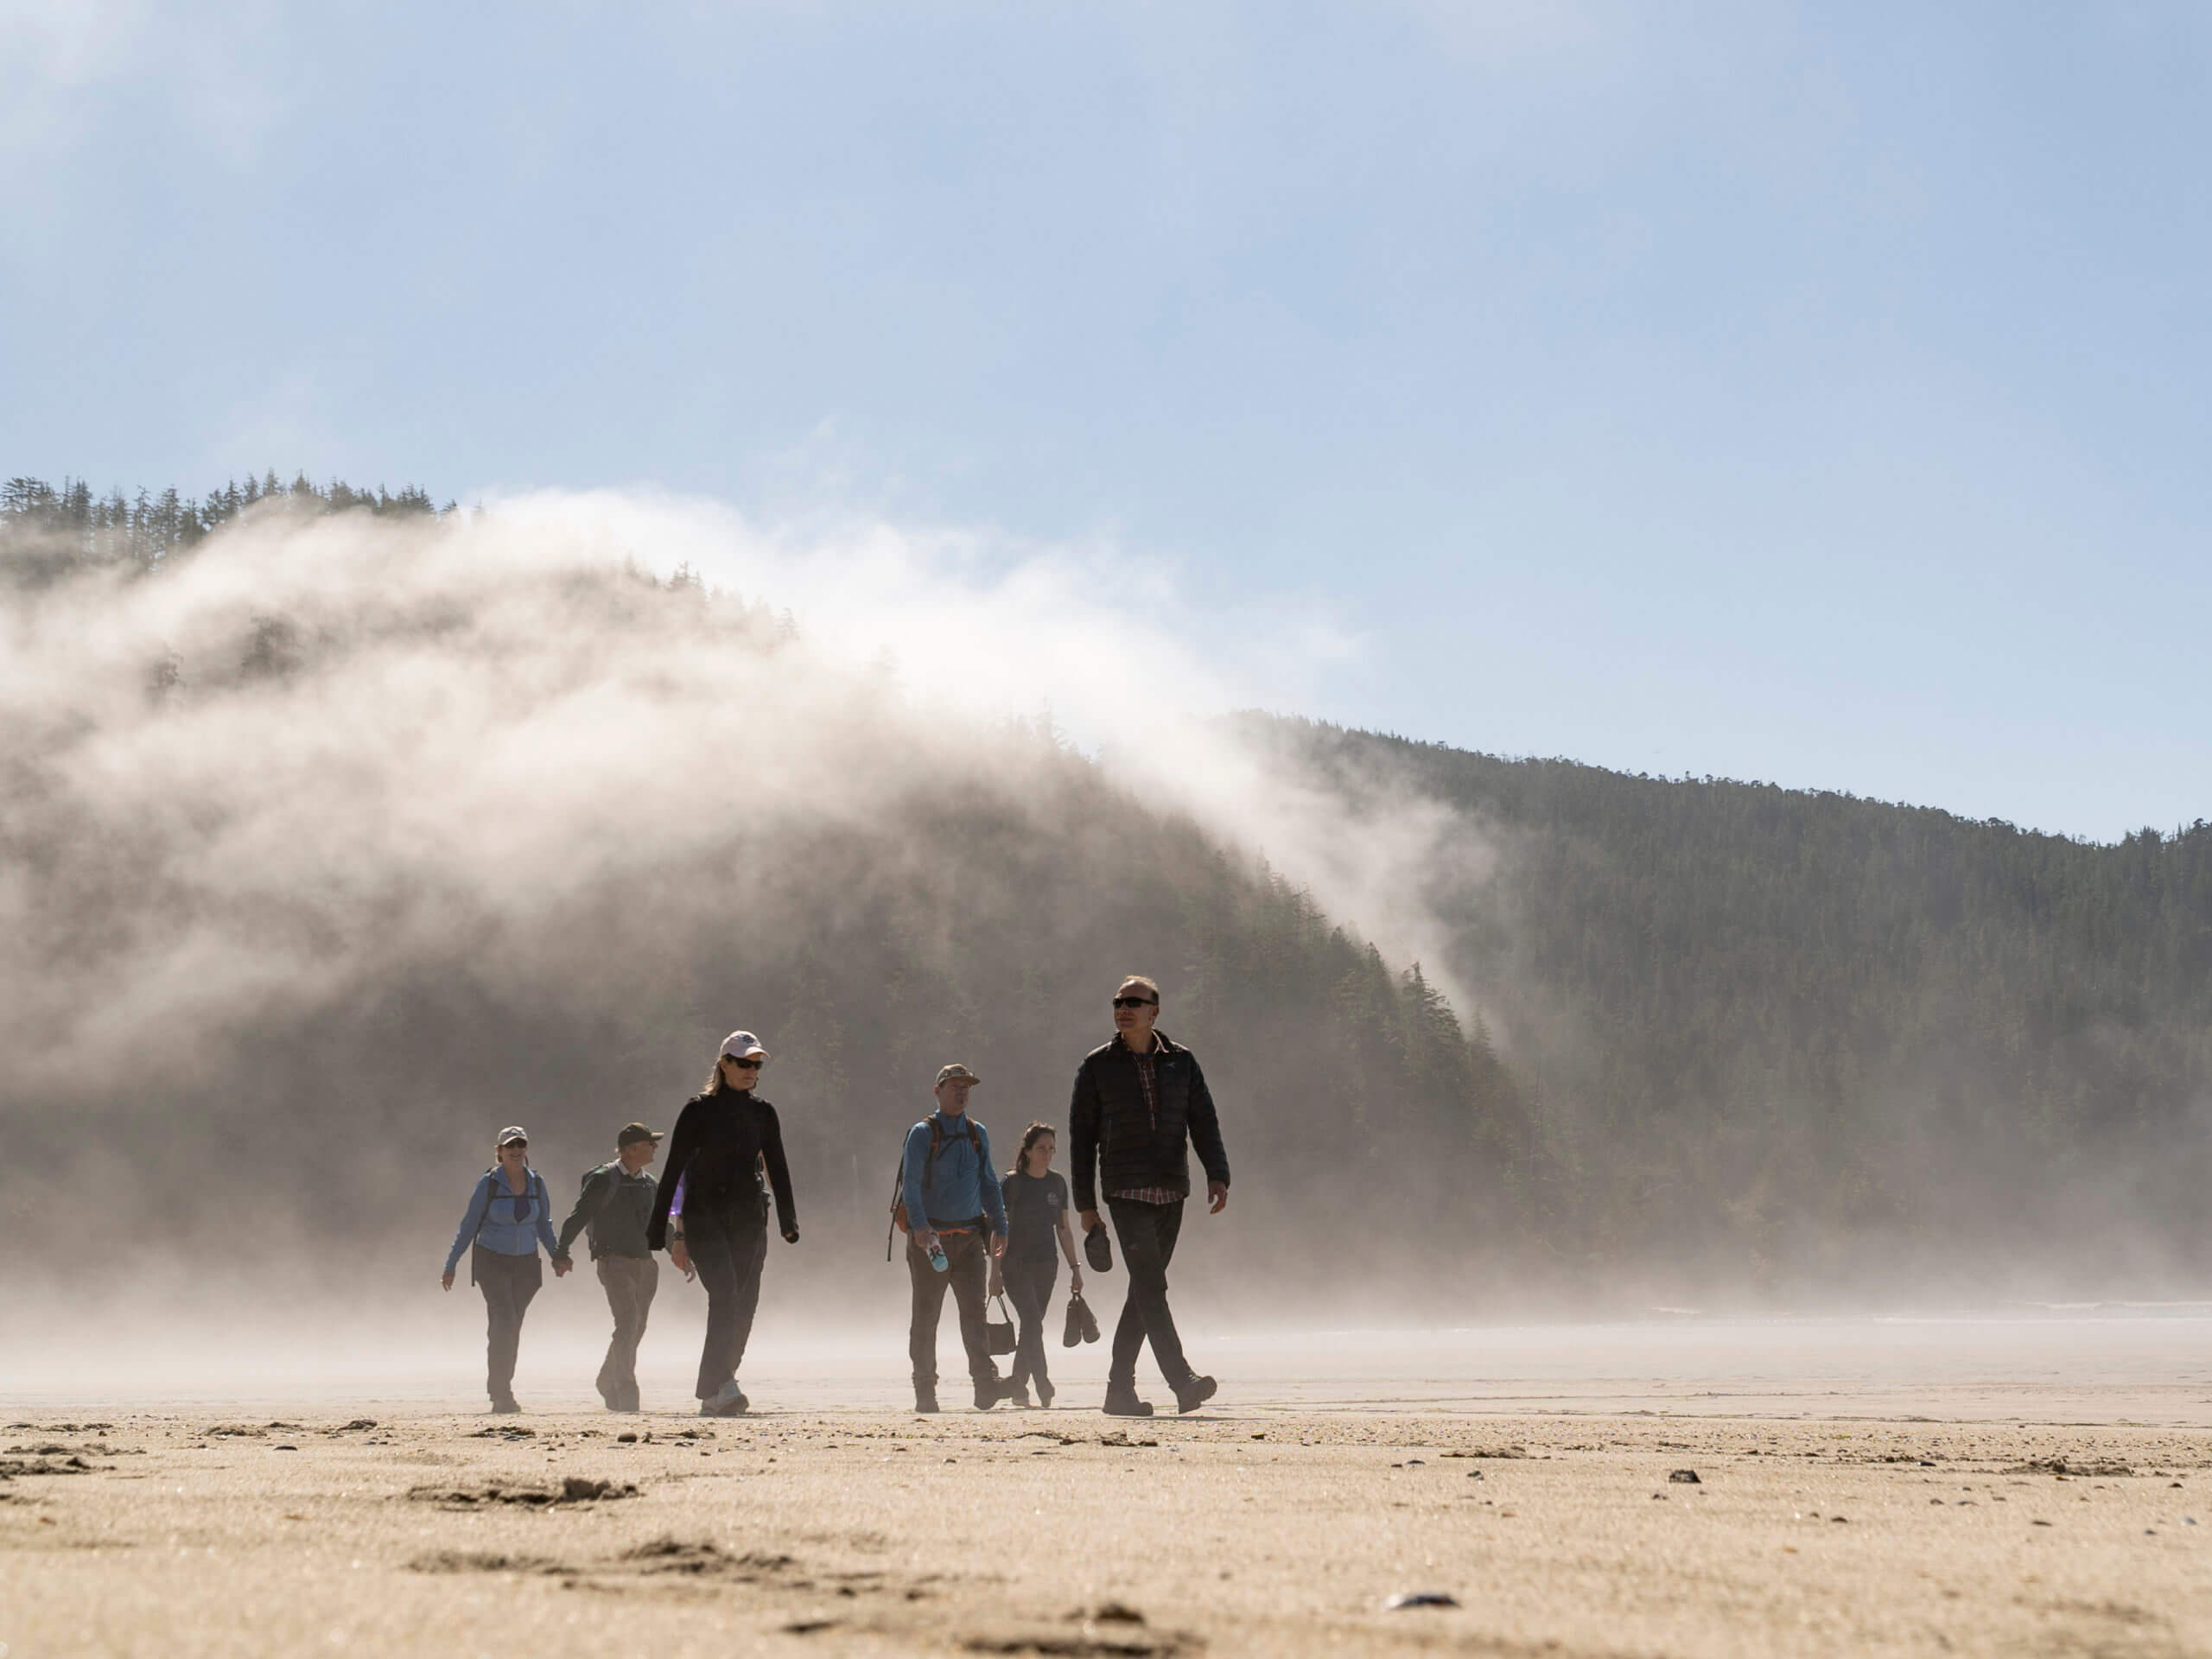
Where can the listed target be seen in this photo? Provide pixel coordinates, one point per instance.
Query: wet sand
(1899, 1514)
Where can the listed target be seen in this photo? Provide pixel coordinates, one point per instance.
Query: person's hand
(445, 1279)
(790, 1234)
(1074, 1279)
(1090, 1222)
(681, 1256)
(1217, 1196)
(924, 1240)
(998, 1245)
(562, 1266)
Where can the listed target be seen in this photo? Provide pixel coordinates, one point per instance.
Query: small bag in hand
(1081, 1326)
(999, 1333)
(1096, 1250)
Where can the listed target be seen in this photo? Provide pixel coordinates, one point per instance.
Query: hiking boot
(1122, 1401)
(925, 1399)
(989, 1392)
(1018, 1394)
(728, 1401)
(504, 1407)
(1045, 1393)
(1194, 1392)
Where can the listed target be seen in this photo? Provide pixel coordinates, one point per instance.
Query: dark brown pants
(629, 1281)
(508, 1283)
(967, 1254)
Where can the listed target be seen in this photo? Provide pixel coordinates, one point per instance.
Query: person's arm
(472, 1221)
(1067, 1244)
(1205, 1136)
(779, 1173)
(589, 1203)
(1083, 1131)
(987, 1179)
(916, 1201)
(676, 1251)
(681, 1142)
(544, 1209)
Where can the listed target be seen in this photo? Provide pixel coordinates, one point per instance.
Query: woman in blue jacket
(508, 1217)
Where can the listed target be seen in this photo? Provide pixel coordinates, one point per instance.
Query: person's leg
(1029, 1288)
(748, 1252)
(921, 1326)
(717, 1269)
(648, 1285)
(502, 1324)
(617, 1306)
(629, 1280)
(530, 1274)
(1148, 1233)
(968, 1275)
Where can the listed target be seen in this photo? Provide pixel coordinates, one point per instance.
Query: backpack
(899, 1219)
(591, 1227)
(533, 1192)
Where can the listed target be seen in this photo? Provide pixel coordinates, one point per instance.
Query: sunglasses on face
(743, 1065)
(516, 1146)
(1136, 1001)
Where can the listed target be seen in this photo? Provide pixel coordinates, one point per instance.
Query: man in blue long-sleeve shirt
(953, 1203)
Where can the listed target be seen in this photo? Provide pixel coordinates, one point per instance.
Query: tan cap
(955, 1073)
(631, 1132)
(511, 1134)
(743, 1046)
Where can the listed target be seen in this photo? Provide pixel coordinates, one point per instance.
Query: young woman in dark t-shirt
(1036, 1220)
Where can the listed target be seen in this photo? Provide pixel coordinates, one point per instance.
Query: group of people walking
(1139, 1107)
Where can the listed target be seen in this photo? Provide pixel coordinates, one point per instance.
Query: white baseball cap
(743, 1046)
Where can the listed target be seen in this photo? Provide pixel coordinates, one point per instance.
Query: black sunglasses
(743, 1065)
(1136, 1001)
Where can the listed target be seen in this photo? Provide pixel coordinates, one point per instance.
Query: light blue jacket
(503, 1221)
(961, 1186)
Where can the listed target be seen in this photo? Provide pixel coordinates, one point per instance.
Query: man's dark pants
(1147, 1232)
(1029, 1282)
(629, 1281)
(965, 1254)
(728, 1246)
(508, 1283)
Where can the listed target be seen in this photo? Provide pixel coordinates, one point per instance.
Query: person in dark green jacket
(612, 1211)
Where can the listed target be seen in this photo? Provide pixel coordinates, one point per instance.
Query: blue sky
(1812, 394)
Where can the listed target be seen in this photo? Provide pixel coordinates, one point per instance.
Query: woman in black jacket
(722, 1139)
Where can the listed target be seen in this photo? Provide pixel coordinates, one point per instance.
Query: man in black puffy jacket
(1139, 1102)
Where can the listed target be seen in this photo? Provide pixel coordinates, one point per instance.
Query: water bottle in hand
(937, 1256)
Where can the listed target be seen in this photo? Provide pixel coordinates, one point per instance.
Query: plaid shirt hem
(1149, 1195)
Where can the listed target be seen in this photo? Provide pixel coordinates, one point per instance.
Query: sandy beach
(1766, 1513)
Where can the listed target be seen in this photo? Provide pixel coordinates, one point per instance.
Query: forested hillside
(330, 842)
(1828, 1038)
(338, 830)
